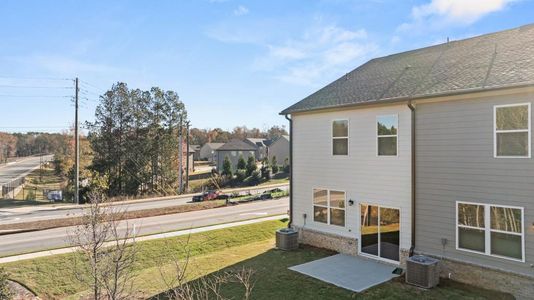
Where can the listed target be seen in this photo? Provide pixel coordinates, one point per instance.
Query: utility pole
(187, 161)
(180, 157)
(76, 147)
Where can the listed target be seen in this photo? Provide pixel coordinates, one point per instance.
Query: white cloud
(320, 52)
(241, 10)
(439, 13)
(286, 52)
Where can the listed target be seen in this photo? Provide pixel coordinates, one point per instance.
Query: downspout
(413, 174)
(290, 171)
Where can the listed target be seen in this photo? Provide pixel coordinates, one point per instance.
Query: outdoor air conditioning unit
(287, 239)
(422, 271)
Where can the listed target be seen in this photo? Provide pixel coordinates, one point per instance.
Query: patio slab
(354, 273)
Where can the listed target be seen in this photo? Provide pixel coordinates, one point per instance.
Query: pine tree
(251, 165)
(241, 163)
(227, 167)
(274, 165)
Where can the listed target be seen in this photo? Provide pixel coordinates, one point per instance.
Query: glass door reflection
(380, 231)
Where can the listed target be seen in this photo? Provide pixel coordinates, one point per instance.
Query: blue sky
(232, 62)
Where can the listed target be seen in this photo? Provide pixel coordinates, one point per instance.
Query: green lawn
(229, 250)
(52, 277)
(275, 281)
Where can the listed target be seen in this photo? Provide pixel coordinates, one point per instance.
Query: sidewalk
(25, 209)
(20, 257)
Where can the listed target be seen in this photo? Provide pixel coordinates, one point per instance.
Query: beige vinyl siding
(455, 162)
(364, 176)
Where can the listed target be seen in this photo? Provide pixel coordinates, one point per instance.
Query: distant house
(233, 150)
(260, 145)
(280, 149)
(207, 152)
(196, 148)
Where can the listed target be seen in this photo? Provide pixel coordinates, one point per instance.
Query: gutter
(290, 171)
(412, 108)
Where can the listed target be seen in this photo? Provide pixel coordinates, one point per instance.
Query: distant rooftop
(236, 145)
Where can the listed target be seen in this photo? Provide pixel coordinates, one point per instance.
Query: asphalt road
(14, 170)
(56, 238)
(40, 213)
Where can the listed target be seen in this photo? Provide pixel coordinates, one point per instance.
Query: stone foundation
(329, 241)
(521, 286)
(338, 243)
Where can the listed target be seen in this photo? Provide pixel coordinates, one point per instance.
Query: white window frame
(487, 230)
(339, 137)
(495, 131)
(389, 135)
(401, 234)
(328, 207)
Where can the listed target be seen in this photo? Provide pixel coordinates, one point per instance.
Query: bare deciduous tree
(175, 271)
(106, 250)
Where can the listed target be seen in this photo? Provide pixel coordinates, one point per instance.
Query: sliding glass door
(380, 231)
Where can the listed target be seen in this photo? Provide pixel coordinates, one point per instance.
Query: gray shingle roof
(236, 145)
(214, 146)
(495, 60)
(257, 142)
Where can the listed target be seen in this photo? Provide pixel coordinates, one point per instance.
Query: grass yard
(229, 250)
(275, 281)
(53, 277)
(37, 181)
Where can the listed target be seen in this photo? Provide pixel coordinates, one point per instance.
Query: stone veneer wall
(329, 241)
(521, 286)
(337, 243)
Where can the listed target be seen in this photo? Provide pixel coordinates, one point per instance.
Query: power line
(23, 127)
(92, 86)
(36, 78)
(35, 96)
(35, 87)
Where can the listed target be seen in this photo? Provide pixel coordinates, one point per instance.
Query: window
(340, 137)
(329, 207)
(387, 135)
(512, 130)
(490, 229)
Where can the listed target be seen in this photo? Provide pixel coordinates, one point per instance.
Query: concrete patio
(354, 273)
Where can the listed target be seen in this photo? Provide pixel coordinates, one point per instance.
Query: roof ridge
(466, 64)
(520, 28)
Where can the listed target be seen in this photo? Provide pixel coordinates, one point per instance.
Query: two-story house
(427, 151)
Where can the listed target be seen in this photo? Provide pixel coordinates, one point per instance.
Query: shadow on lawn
(273, 280)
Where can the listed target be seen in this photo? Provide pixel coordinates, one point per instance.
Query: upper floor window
(489, 229)
(512, 130)
(329, 207)
(340, 137)
(387, 135)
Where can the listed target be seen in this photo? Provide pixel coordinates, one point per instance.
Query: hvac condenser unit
(287, 239)
(422, 271)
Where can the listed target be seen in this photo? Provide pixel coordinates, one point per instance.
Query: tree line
(30, 143)
(217, 135)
